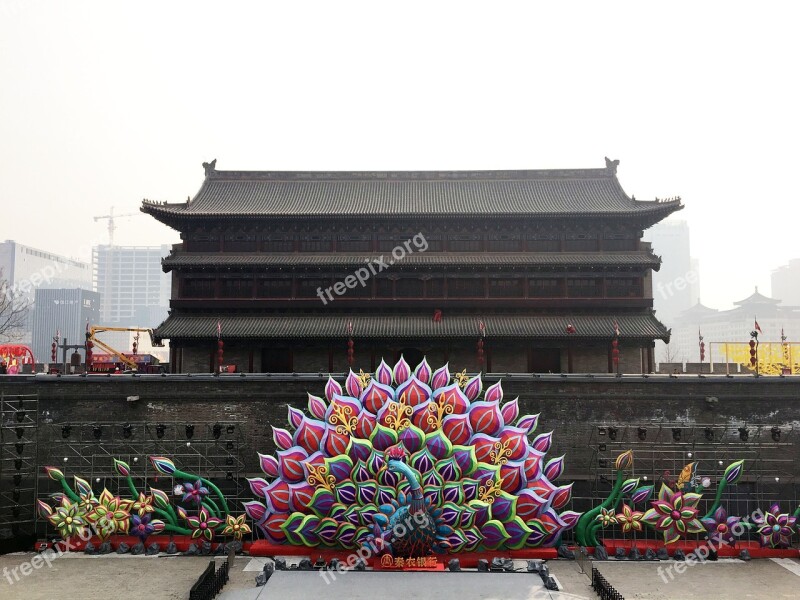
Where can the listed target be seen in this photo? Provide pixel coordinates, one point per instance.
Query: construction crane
(91, 336)
(111, 227)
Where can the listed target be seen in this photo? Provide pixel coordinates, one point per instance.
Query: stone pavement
(74, 576)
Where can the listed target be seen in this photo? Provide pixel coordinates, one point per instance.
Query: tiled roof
(499, 259)
(644, 326)
(396, 193)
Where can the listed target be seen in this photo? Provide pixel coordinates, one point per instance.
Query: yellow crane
(91, 336)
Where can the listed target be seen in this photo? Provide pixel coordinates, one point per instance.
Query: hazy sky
(103, 104)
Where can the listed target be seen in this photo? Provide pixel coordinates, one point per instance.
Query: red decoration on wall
(350, 344)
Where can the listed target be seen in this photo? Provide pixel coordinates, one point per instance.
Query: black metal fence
(604, 589)
(212, 580)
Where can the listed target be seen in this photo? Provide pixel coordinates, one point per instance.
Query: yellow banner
(774, 358)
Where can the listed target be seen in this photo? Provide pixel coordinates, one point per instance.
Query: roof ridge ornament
(212, 166)
(612, 165)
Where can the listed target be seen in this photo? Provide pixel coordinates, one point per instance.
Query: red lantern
(615, 351)
(752, 353)
(350, 352)
(53, 352)
(480, 351)
(220, 352)
(702, 351)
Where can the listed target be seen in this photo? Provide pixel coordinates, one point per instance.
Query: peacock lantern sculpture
(415, 463)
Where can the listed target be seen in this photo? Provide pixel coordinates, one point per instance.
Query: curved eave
(599, 328)
(179, 218)
(613, 260)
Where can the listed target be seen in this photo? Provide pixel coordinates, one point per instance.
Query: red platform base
(468, 559)
(754, 548)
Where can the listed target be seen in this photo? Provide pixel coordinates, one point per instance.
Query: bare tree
(14, 310)
(669, 353)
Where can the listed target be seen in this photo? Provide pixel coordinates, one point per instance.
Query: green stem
(583, 531)
(596, 525)
(717, 499)
(167, 516)
(70, 494)
(213, 509)
(132, 487)
(176, 529)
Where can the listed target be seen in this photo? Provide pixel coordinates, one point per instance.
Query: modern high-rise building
(64, 311)
(135, 291)
(786, 282)
(24, 269)
(676, 285)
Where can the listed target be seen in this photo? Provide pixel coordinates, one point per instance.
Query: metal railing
(212, 580)
(602, 588)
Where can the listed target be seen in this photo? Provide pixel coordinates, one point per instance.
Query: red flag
(571, 328)
(437, 316)
(758, 329)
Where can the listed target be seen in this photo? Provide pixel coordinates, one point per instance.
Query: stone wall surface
(571, 406)
(594, 418)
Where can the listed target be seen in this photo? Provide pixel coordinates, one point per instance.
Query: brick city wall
(571, 406)
(593, 420)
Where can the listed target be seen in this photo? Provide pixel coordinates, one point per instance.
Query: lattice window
(623, 287)
(544, 288)
(236, 288)
(384, 288)
(274, 288)
(544, 245)
(277, 244)
(463, 287)
(583, 288)
(198, 288)
(354, 243)
(409, 288)
(203, 243)
(240, 242)
(315, 243)
(307, 288)
(506, 288)
(464, 243)
(504, 243)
